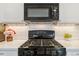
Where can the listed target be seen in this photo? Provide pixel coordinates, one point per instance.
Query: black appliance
(41, 43)
(41, 12)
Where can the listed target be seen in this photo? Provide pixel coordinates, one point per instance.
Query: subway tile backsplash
(21, 32)
(60, 30)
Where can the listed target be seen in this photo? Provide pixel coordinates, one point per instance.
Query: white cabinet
(11, 12)
(8, 52)
(72, 51)
(69, 12)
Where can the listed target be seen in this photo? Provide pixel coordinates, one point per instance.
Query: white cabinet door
(11, 12)
(72, 51)
(8, 52)
(69, 12)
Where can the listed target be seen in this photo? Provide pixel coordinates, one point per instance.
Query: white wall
(69, 12)
(10, 12)
(40, 26)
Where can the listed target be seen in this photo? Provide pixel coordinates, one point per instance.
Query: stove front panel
(41, 51)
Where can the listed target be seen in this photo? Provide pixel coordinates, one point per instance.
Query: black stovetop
(41, 38)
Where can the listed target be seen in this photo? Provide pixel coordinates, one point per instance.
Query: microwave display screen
(37, 12)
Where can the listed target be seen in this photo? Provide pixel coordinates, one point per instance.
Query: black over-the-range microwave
(41, 12)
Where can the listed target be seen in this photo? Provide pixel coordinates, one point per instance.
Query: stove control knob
(28, 53)
(61, 51)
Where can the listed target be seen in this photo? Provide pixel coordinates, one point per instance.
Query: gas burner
(41, 43)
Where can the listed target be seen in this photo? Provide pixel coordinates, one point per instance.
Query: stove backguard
(41, 34)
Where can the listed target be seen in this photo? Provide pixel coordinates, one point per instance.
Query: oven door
(37, 52)
(25, 52)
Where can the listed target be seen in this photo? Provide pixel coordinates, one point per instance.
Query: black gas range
(41, 43)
